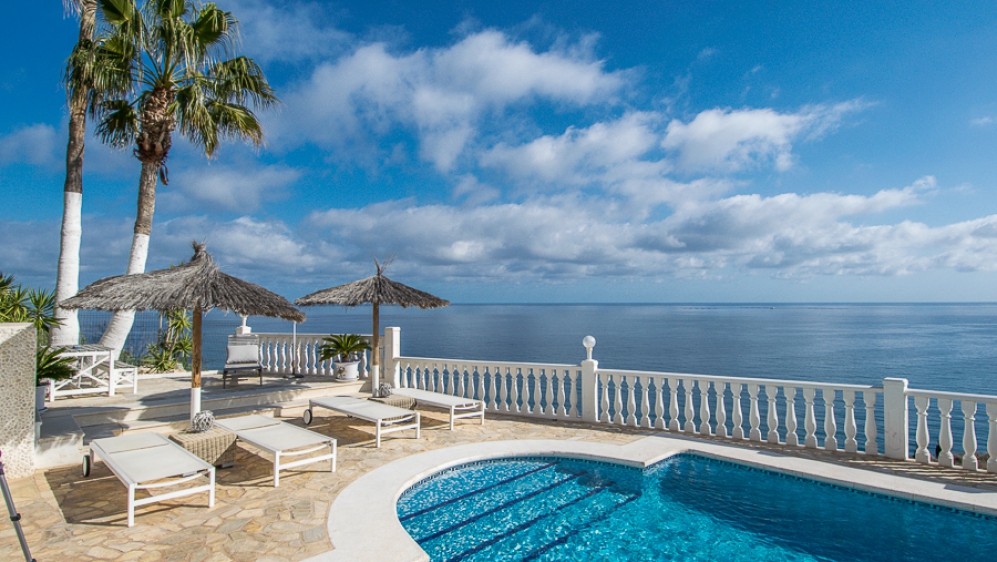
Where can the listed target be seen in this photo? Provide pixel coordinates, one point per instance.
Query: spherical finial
(589, 343)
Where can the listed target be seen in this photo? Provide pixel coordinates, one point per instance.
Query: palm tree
(186, 83)
(68, 276)
(94, 71)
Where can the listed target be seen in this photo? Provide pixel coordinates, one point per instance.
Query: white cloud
(439, 93)
(293, 31)
(725, 140)
(228, 188)
(571, 158)
(984, 121)
(568, 237)
(34, 144)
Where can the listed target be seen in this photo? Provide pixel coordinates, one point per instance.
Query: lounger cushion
(149, 457)
(243, 354)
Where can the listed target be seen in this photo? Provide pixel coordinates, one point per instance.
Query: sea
(951, 347)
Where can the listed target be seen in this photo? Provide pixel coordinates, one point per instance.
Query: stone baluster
(922, 437)
(617, 400)
(809, 419)
(631, 402)
(460, 389)
(562, 393)
(719, 386)
(969, 461)
(513, 390)
(604, 402)
(772, 391)
(945, 458)
(549, 406)
(992, 436)
(871, 447)
(673, 404)
(645, 406)
(504, 378)
(735, 393)
(497, 379)
(704, 408)
(753, 417)
(851, 444)
(690, 412)
(830, 424)
(792, 438)
(659, 404)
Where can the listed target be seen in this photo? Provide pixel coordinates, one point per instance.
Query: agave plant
(343, 347)
(49, 364)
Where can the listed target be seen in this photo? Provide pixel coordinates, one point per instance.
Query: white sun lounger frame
(386, 419)
(164, 452)
(459, 407)
(272, 436)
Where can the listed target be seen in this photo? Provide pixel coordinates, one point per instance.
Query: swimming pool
(687, 507)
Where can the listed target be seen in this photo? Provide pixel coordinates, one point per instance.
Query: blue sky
(558, 152)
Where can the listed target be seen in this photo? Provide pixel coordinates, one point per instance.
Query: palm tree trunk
(68, 277)
(121, 323)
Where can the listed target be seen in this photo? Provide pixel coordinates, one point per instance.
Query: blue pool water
(686, 508)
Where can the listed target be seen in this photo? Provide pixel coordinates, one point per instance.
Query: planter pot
(348, 371)
(40, 392)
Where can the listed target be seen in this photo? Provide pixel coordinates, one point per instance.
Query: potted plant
(49, 365)
(344, 350)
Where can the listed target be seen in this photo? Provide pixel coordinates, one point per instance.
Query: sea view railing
(890, 420)
(286, 354)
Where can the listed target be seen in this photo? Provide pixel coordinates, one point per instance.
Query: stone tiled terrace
(68, 517)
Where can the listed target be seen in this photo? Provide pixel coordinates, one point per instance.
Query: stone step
(60, 443)
(168, 425)
(178, 404)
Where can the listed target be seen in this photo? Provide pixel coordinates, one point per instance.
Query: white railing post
(392, 351)
(896, 432)
(590, 383)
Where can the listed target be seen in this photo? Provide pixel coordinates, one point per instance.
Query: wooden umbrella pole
(195, 364)
(375, 373)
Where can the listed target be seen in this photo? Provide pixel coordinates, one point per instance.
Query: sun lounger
(280, 439)
(387, 419)
(144, 461)
(459, 407)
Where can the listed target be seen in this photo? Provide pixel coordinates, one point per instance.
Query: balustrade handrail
(745, 380)
(481, 362)
(299, 335)
(985, 398)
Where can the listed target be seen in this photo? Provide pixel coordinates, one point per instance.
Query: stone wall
(17, 398)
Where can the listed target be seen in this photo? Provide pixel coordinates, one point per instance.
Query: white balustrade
(285, 354)
(523, 389)
(639, 398)
(944, 402)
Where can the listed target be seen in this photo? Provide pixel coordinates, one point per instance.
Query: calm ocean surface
(936, 346)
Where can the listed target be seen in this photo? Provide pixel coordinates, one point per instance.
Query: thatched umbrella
(197, 285)
(375, 290)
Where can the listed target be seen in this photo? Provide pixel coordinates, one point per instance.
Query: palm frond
(119, 123)
(241, 80)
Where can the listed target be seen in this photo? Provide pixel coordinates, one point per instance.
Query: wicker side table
(215, 446)
(398, 401)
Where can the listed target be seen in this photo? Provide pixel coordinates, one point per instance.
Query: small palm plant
(50, 364)
(343, 347)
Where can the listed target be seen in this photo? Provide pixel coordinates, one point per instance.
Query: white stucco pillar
(590, 390)
(896, 428)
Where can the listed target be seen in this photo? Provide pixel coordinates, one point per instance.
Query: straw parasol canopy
(197, 285)
(375, 290)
